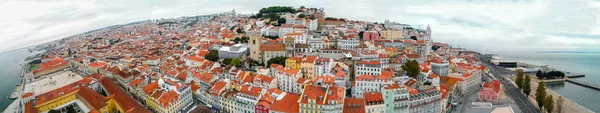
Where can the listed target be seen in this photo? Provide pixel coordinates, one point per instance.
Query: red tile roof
(168, 98)
(369, 62)
(205, 77)
(412, 91)
(98, 64)
(249, 90)
(466, 75)
(56, 62)
(373, 97)
(29, 108)
(289, 104)
(28, 94)
(272, 47)
(95, 99)
(126, 102)
(354, 105)
(56, 93)
(393, 86)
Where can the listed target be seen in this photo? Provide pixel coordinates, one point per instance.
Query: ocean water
(10, 70)
(584, 63)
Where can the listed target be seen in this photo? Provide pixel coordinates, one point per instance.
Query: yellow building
(391, 34)
(54, 99)
(293, 63)
(308, 67)
(160, 101)
(304, 64)
(318, 99)
(69, 94)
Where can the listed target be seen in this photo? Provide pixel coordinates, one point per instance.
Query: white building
(284, 29)
(316, 43)
(368, 67)
(235, 51)
(440, 68)
(313, 25)
(287, 79)
(369, 83)
(348, 43)
(298, 37)
(247, 97)
(427, 101)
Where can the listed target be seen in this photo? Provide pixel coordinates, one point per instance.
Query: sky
(488, 26)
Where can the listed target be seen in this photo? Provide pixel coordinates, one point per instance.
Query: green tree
(527, 85)
(312, 17)
(540, 94)
(331, 18)
(559, 104)
(236, 62)
(213, 55)
(245, 39)
(435, 47)
(539, 74)
(239, 31)
(549, 104)
(281, 21)
(237, 40)
(277, 60)
(411, 68)
(53, 111)
(360, 35)
(271, 37)
(227, 61)
(301, 16)
(519, 81)
(413, 37)
(253, 63)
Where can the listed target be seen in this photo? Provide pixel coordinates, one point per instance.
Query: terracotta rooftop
(272, 47)
(126, 102)
(373, 97)
(95, 99)
(354, 105)
(374, 62)
(168, 98)
(289, 104)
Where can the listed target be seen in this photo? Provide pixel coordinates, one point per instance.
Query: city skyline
(540, 26)
(312, 56)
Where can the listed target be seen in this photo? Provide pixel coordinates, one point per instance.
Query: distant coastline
(567, 52)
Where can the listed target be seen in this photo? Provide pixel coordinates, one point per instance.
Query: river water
(10, 70)
(585, 63)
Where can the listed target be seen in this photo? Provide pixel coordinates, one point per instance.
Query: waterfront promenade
(568, 105)
(529, 101)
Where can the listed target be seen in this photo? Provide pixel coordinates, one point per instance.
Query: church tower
(428, 31)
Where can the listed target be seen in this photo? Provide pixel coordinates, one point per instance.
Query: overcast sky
(487, 25)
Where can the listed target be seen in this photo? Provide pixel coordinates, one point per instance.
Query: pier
(585, 84)
(574, 76)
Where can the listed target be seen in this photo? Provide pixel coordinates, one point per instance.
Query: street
(511, 90)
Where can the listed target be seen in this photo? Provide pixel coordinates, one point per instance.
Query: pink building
(491, 91)
(370, 35)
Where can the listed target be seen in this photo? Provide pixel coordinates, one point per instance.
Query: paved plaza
(51, 82)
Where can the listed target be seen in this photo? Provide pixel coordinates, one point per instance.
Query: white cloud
(493, 26)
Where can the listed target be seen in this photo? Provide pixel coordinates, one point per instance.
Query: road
(511, 90)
